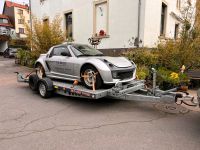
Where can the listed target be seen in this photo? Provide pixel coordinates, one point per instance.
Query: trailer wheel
(45, 88)
(33, 81)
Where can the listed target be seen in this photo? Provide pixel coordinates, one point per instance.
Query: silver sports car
(81, 62)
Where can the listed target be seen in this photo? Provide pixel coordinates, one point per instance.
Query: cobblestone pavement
(28, 122)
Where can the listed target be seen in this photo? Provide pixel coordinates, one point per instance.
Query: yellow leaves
(174, 75)
(44, 35)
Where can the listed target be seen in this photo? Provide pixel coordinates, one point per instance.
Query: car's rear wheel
(40, 71)
(91, 75)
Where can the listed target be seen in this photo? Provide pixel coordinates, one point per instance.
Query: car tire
(5, 55)
(33, 82)
(98, 83)
(40, 71)
(45, 88)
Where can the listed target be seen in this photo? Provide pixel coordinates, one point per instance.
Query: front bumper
(123, 75)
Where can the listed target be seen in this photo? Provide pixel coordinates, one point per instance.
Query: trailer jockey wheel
(45, 87)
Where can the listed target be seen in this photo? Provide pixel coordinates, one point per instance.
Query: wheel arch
(37, 63)
(105, 72)
(43, 64)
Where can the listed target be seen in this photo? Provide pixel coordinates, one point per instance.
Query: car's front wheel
(90, 76)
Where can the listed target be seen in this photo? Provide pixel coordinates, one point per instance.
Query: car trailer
(135, 90)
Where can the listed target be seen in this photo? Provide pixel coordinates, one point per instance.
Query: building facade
(5, 32)
(19, 15)
(120, 24)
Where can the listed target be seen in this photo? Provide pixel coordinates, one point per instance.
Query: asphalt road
(28, 122)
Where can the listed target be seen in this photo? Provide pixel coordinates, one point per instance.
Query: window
(20, 21)
(20, 11)
(69, 25)
(58, 50)
(163, 19)
(21, 30)
(101, 18)
(176, 32)
(3, 20)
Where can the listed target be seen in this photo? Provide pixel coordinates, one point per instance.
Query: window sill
(101, 37)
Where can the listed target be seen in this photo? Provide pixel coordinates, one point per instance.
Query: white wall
(123, 20)
(153, 21)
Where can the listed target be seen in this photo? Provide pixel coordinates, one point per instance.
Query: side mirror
(65, 54)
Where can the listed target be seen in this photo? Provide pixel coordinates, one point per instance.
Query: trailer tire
(33, 82)
(45, 87)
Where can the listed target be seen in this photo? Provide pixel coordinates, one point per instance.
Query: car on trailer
(71, 61)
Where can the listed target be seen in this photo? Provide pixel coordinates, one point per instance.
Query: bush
(44, 35)
(143, 57)
(39, 40)
(167, 79)
(142, 72)
(25, 58)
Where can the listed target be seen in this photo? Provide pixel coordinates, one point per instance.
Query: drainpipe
(138, 33)
(31, 23)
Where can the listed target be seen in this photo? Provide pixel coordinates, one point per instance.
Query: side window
(58, 50)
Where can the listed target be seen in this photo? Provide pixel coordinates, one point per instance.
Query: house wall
(153, 21)
(123, 20)
(25, 16)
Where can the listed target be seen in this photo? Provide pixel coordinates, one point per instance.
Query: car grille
(122, 75)
(125, 75)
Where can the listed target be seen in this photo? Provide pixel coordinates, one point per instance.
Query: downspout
(138, 32)
(31, 22)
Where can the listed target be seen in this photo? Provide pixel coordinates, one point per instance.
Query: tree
(44, 35)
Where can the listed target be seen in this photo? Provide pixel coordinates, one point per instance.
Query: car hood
(120, 62)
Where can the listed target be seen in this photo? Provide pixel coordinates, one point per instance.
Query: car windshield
(85, 50)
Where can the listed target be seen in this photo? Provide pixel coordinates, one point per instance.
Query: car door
(60, 65)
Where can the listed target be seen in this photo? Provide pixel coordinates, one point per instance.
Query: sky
(17, 1)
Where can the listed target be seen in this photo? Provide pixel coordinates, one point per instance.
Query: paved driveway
(28, 122)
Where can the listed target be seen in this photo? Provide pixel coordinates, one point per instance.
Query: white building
(122, 21)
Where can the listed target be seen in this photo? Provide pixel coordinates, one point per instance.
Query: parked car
(76, 61)
(10, 52)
